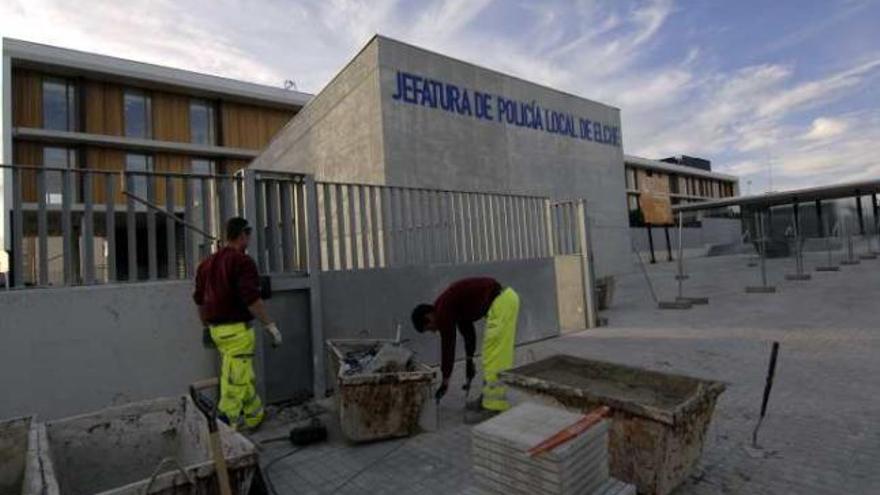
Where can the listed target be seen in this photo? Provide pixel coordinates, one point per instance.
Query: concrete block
(798, 276)
(693, 300)
(674, 305)
(501, 460)
(850, 262)
(827, 268)
(761, 289)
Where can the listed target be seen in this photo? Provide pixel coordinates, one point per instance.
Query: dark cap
(236, 226)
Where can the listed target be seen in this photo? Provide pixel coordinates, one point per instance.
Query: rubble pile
(378, 358)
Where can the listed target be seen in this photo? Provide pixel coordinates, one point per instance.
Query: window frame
(71, 103)
(147, 109)
(211, 113)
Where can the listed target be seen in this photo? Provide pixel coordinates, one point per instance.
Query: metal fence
(80, 226)
(363, 226)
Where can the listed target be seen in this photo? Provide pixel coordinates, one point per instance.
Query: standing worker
(228, 296)
(460, 305)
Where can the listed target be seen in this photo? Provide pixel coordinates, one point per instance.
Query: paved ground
(822, 434)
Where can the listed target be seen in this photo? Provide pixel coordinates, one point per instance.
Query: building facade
(672, 182)
(65, 109)
(399, 115)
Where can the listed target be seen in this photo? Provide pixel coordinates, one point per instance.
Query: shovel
(207, 408)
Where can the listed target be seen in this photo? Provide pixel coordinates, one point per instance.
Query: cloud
(824, 128)
(677, 95)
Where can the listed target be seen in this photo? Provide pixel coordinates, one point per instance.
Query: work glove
(470, 373)
(272, 330)
(441, 391)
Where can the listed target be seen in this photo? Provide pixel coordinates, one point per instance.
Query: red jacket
(460, 305)
(227, 283)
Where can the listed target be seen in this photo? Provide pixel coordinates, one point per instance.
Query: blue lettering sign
(427, 92)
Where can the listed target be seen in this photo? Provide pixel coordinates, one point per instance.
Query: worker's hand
(442, 390)
(471, 369)
(272, 330)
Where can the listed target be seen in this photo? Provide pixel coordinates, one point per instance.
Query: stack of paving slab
(579, 466)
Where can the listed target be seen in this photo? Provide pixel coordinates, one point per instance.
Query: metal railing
(102, 226)
(82, 226)
(366, 226)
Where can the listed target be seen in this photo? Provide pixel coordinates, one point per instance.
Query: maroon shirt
(227, 283)
(460, 305)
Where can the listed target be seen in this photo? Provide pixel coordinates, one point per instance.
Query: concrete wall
(429, 147)
(67, 351)
(368, 303)
(338, 135)
(354, 130)
(73, 350)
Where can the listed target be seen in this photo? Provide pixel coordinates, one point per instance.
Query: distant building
(689, 161)
(75, 110)
(687, 181)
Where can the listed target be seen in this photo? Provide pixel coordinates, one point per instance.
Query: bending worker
(228, 296)
(460, 305)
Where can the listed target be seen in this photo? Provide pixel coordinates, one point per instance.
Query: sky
(784, 94)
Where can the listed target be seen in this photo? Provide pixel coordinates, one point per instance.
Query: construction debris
(381, 390)
(378, 358)
(504, 461)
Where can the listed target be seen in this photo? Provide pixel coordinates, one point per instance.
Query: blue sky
(783, 91)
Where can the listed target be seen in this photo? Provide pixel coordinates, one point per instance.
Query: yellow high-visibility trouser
(498, 345)
(238, 392)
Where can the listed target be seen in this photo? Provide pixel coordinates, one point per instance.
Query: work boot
(236, 424)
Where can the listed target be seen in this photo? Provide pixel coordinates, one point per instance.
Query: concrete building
(403, 116)
(73, 110)
(682, 184)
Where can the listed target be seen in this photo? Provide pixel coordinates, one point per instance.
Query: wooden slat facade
(103, 108)
(171, 163)
(28, 153)
(101, 112)
(251, 127)
(170, 117)
(105, 159)
(27, 99)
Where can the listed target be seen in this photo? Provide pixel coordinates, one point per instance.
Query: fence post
(17, 229)
(314, 270)
(250, 212)
(586, 252)
(548, 225)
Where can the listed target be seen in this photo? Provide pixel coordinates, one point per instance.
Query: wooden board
(249, 126)
(103, 108)
(171, 117)
(27, 99)
(656, 208)
(27, 153)
(171, 163)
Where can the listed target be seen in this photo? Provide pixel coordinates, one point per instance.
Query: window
(59, 105)
(203, 167)
(138, 163)
(632, 202)
(137, 108)
(58, 158)
(673, 184)
(201, 122)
